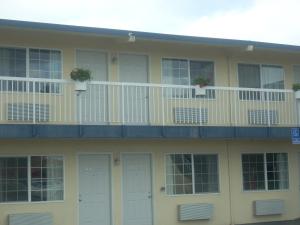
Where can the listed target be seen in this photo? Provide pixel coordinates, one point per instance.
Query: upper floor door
(134, 69)
(93, 103)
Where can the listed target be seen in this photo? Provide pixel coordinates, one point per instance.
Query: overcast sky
(260, 20)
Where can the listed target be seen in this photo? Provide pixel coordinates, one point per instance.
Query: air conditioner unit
(25, 112)
(197, 211)
(190, 115)
(30, 219)
(262, 117)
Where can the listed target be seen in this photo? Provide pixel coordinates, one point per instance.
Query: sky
(275, 21)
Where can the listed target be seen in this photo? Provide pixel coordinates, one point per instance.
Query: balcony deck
(56, 102)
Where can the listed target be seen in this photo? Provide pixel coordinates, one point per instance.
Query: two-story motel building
(142, 145)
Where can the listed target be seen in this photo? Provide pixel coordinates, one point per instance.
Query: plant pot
(297, 94)
(80, 86)
(200, 90)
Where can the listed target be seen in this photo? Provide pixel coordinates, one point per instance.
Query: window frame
(265, 172)
(27, 49)
(193, 173)
(189, 72)
(294, 74)
(29, 201)
(260, 73)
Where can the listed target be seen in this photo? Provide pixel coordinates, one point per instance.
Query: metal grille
(263, 117)
(200, 211)
(268, 207)
(25, 112)
(30, 219)
(191, 115)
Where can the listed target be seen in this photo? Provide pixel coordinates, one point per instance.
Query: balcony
(40, 101)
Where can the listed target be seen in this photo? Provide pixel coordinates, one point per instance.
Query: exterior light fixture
(250, 48)
(131, 37)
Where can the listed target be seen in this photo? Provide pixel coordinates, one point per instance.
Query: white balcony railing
(25, 100)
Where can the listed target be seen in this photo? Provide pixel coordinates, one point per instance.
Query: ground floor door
(94, 189)
(134, 69)
(137, 189)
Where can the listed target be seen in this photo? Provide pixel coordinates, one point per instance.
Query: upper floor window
(42, 63)
(192, 174)
(260, 76)
(45, 64)
(185, 72)
(267, 171)
(296, 70)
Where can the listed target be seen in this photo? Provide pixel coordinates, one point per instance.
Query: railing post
(122, 104)
(268, 109)
(163, 106)
(33, 102)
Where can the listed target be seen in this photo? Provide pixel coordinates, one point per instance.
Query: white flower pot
(199, 90)
(297, 94)
(80, 86)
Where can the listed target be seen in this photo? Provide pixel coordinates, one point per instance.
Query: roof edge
(147, 35)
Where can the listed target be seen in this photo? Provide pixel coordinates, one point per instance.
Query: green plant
(80, 74)
(201, 81)
(296, 87)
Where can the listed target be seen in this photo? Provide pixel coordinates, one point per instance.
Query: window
(296, 70)
(35, 178)
(260, 76)
(13, 179)
(185, 72)
(192, 174)
(46, 64)
(265, 171)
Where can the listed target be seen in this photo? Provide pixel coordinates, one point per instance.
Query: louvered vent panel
(190, 115)
(268, 207)
(200, 211)
(30, 219)
(24, 112)
(262, 117)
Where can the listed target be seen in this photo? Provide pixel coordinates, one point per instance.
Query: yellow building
(170, 129)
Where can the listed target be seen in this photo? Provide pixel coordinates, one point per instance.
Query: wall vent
(30, 219)
(190, 115)
(268, 207)
(24, 112)
(198, 211)
(262, 117)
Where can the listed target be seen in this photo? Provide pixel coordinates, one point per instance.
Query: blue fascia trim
(146, 35)
(8, 131)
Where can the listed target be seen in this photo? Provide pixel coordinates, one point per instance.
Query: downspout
(229, 184)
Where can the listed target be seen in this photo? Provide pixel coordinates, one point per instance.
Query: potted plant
(296, 88)
(80, 76)
(200, 83)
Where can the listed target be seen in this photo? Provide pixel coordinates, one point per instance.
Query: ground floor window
(34, 178)
(265, 171)
(192, 174)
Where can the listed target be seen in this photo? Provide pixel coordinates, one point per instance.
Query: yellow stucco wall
(232, 205)
(225, 59)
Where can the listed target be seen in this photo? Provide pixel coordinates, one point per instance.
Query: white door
(134, 69)
(93, 102)
(137, 191)
(94, 189)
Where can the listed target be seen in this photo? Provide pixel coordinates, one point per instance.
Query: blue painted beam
(139, 132)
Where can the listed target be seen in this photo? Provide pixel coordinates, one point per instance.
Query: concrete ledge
(25, 131)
